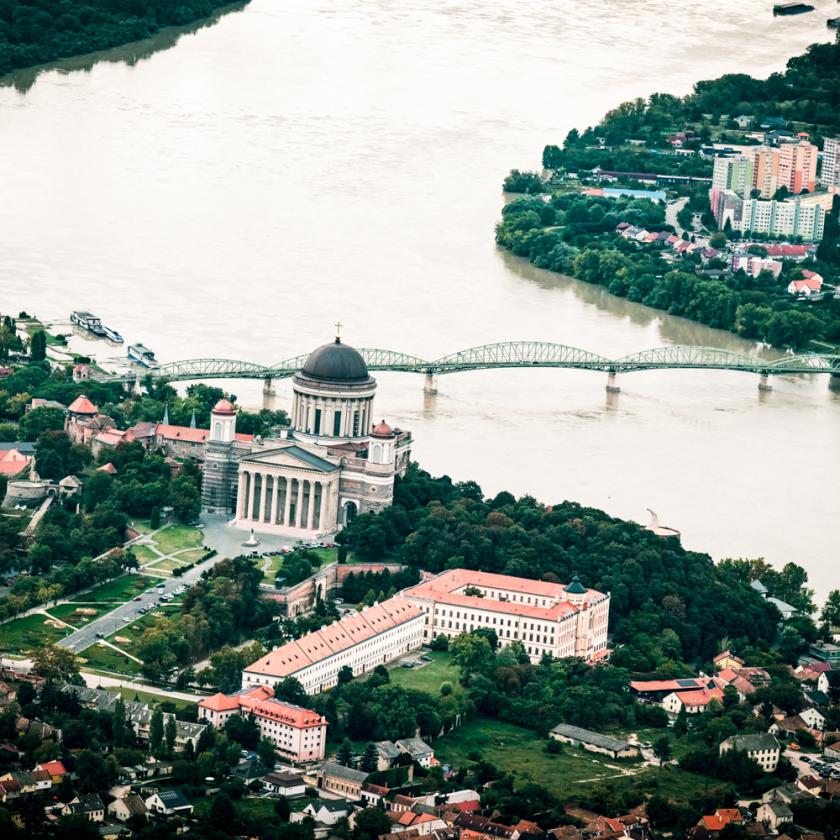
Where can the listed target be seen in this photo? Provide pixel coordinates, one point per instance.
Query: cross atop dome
(338, 326)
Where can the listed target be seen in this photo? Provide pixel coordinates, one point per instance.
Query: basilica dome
(336, 362)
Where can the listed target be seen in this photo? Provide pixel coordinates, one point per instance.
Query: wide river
(237, 190)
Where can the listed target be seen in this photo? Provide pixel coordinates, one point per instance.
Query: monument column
(310, 513)
(288, 506)
(261, 502)
(275, 500)
(249, 512)
(299, 504)
(240, 495)
(322, 508)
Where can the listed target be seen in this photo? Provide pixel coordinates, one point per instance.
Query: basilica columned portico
(287, 489)
(331, 465)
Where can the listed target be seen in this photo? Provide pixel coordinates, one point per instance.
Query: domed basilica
(332, 464)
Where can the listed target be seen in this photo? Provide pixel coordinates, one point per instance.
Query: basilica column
(275, 500)
(310, 513)
(261, 502)
(249, 511)
(299, 504)
(322, 508)
(268, 491)
(240, 495)
(288, 506)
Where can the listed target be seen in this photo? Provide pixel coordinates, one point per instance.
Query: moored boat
(87, 321)
(142, 355)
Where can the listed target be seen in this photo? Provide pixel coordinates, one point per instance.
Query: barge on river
(792, 8)
(87, 322)
(142, 355)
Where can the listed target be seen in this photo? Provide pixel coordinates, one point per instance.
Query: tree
(831, 609)
(371, 823)
(345, 675)
(370, 758)
(223, 816)
(344, 755)
(169, 732)
(282, 809)
(266, 753)
(42, 419)
(55, 664)
(38, 346)
(471, 653)
(440, 642)
(662, 750)
(154, 518)
(156, 730)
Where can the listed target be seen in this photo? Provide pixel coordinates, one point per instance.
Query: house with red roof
(810, 284)
(13, 462)
(693, 701)
(56, 770)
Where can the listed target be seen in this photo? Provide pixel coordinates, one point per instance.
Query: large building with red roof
(361, 641)
(298, 734)
(545, 617)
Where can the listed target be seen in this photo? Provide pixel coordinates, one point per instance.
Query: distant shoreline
(97, 42)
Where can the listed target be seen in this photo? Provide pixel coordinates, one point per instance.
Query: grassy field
(175, 537)
(679, 746)
(31, 631)
(522, 752)
(429, 677)
(144, 554)
(67, 612)
(256, 809)
(107, 659)
(116, 591)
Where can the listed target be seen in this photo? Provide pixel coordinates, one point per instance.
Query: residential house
(593, 741)
(810, 784)
(56, 770)
(810, 284)
(290, 785)
(762, 748)
(774, 814)
(814, 718)
(127, 807)
(694, 701)
(169, 803)
(722, 817)
(418, 749)
(373, 795)
(345, 781)
(826, 680)
(326, 813)
(387, 753)
(89, 805)
(421, 818)
(727, 659)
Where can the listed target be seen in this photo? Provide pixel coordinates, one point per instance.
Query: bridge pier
(431, 385)
(136, 389)
(834, 381)
(764, 383)
(269, 395)
(612, 383)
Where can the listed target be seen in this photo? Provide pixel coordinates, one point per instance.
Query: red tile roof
(82, 405)
(224, 406)
(338, 636)
(12, 462)
(54, 768)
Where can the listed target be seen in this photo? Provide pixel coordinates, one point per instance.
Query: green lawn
(256, 809)
(142, 526)
(327, 555)
(274, 566)
(429, 677)
(67, 612)
(679, 746)
(119, 590)
(31, 631)
(144, 554)
(107, 659)
(175, 537)
(522, 752)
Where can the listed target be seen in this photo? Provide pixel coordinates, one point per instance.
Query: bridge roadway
(514, 354)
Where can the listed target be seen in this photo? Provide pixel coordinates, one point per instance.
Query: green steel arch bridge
(515, 354)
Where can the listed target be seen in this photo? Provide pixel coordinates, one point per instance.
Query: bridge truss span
(512, 354)
(515, 354)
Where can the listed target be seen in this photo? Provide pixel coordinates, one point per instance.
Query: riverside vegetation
(575, 234)
(39, 31)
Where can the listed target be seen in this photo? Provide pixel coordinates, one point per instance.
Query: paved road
(97, 681)
(129, 612)
(671, 211)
